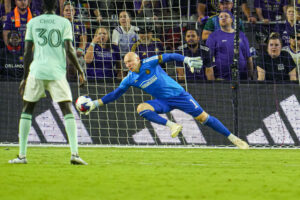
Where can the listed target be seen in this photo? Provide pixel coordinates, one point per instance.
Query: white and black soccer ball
(81, 103)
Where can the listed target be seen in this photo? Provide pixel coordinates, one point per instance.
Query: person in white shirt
(125, 35)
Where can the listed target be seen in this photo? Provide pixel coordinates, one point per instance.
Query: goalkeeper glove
(193, 62)
(90, 106)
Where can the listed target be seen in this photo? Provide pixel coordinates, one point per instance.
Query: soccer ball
(81, 102)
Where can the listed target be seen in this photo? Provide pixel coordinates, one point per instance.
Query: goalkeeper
(149, 76)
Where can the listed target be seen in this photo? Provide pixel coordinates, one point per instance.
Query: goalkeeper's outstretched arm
(110, 97)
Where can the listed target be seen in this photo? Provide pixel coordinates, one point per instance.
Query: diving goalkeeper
(148, 75)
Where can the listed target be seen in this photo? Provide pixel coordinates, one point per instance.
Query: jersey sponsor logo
(224, 40)
(204, 48)
(148, 82)
(280, 67)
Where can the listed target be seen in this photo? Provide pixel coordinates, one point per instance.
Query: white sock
(170, 123)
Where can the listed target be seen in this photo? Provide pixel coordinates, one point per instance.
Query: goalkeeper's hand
(193, 62)
(89, 106)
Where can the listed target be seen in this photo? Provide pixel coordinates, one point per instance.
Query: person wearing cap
(276, 65)
(193, 48)
(147, 45)
(213, 24)
(11, 64)
(294, 48)
(208, 8)
(17, 19)
(221, 45)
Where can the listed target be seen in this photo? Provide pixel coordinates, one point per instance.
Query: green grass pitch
(152, 173)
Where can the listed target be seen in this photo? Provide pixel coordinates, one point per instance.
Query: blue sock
(215, 124)
(153, 117)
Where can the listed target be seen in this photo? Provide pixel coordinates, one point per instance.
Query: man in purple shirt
(17, 19)
(270, 10)
(221, 45)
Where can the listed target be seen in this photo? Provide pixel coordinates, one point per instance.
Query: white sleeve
(115, 37)
(67, 34)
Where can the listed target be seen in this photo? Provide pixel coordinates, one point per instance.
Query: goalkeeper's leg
(147, 111)
(24, 128)
(215, 124)
(71, 129)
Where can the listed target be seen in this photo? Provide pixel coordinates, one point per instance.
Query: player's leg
(188, 104)
(216, 125)
(150, 109)
(34, 90)
(60, 92)
(24, 128)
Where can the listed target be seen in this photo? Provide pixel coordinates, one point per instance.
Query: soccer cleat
(76, 160)
(175, 130)
(240, 143)
(18, 160)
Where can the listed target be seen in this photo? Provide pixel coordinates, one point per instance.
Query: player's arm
(192, 62)
(28, 56)
(110, 97)
(71, 54)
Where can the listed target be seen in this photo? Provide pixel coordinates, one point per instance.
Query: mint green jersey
(48, 33)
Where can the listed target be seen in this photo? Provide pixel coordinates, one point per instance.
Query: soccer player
(51, 37)
(149, 76)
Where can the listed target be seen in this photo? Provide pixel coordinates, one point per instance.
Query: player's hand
(82, 79)
(193, 62)
(89, 106)
(22, 86)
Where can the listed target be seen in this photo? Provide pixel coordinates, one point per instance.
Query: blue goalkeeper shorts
(184, 102)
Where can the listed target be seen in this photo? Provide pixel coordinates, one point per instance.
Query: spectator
(11, 62)
(125, 35)
(291, 25)
(36, 5)
(294, 48)
(213, 24)
(270, 10)
(276, 65)
(206, 8)
(192, 48)
(147, 46)
(221, 45)
(2, 10)
(79, 31)
(102, 57)
(17, 19)
(149, 8)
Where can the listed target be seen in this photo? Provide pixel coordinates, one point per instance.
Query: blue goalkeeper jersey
(153, 79)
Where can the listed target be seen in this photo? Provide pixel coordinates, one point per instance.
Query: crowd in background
(104, 31)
